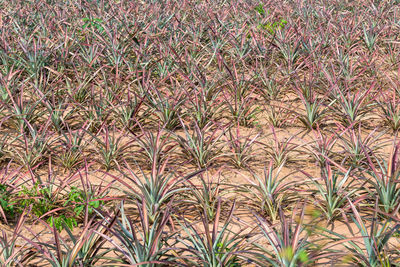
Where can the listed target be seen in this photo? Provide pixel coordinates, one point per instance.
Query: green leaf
(260, 9)
(303, 256)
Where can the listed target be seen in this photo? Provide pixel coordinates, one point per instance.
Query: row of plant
(195, 133)
(180, 221)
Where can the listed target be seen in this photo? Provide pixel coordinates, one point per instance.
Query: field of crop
(199, 133)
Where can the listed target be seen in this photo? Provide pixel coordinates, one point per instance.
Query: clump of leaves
(11, 253)
(6, 203)
(86, 249)
(45, 203)
(144, 241)
(167, 108)
(218, 246)
(271, 27)
(204, 195)
(334, 189)
(110, 146)
(270, 191)
(290, 240)
(202, 146)
(242, 151)
(157, 188)
(373, 250)
(73, 145)
(82, 200)
(280, 150)
(384, 179)
(9, 181)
